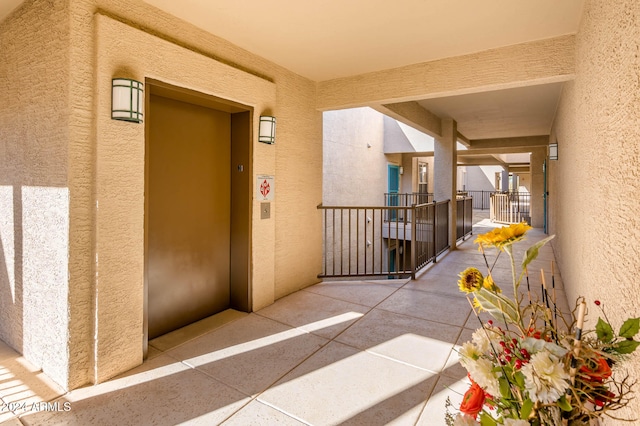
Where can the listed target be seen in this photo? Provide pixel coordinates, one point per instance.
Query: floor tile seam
(424, 319)
(186, 363)
(448, 296)
(371, 309)
(293, 327)
(424, 407)
(336, 298)
(236, 411)
(397, 361)
(220, 381)
(436, 292)
(293, 416)
(198, 336)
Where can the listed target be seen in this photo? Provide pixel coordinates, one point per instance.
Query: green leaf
(499, 306)
(626, 346)
(527, 406)
(487, 420)
(564, 404)
(519, 379)
(532, 252)
(505, 389)
(630, 328)
(604, 331)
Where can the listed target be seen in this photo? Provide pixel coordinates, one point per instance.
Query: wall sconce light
(127, 100)
(553, 151)
(267, 129)
(401, 170)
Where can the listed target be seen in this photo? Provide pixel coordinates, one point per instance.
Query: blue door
(393, 188)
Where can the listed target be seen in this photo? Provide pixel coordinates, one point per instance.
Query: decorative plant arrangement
(530, 365)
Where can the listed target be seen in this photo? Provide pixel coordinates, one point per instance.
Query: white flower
(545, 378)
(515, 422)
(465, 420)
(468, 354)
(487, 340)
(481, 371)
(536, 345)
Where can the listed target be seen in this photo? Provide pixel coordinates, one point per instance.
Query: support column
(537, 187)
(504, 185)
(445, 172)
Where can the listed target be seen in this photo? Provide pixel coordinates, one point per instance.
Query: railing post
(414, 243)
(435, 230)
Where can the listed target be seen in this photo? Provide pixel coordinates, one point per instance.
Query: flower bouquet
(532, 364)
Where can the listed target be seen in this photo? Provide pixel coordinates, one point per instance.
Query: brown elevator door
(188, 213)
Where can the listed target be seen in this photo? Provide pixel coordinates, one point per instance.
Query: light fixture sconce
(553, 151)
(127, 100)
(267, 129)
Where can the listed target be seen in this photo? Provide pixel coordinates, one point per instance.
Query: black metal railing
(389, 241)
(407, 199)
(464, 217)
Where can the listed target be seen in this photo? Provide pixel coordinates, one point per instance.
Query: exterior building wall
(355, 165)
(482, 178)
(593, 185)
(410, 179)
(34, 194)
(74, 178)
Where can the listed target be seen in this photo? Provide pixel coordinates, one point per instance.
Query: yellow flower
(504, 236)
(470, 280)
(490, 285)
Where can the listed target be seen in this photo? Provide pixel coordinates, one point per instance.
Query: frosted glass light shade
(127, 100)
(267, 130)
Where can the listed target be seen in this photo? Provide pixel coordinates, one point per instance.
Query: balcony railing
(389, 241)
(481, 199)
(464, 217)
(407, 199)
(511, 207)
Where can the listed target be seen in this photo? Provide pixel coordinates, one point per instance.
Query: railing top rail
(323, 207)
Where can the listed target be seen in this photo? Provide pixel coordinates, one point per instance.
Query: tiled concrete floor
(356, 352)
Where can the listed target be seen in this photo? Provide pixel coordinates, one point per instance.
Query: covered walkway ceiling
(337, 42)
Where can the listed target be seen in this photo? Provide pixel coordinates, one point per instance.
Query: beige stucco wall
(34, 196)
(73, 179)
(594, 184)
(355, 166)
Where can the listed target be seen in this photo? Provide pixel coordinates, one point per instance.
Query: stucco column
(504, 185)
(445, 172)
(537, 187)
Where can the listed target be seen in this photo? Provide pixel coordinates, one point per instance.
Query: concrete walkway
(356, 352)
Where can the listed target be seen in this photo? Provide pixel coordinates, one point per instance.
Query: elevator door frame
(241, 195)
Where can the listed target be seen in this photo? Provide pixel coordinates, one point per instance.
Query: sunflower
(471, 280)
(490, 285)
(504, 236)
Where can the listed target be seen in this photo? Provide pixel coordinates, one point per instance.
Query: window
(423, 185)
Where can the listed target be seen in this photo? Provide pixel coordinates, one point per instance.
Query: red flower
(473, 400)
(596, 371)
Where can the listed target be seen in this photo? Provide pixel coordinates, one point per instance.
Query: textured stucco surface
(542, 61)
(34, 222)
(120, 182)
(354, 174)
(594, 208)
(286, 247)
(76, 178)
